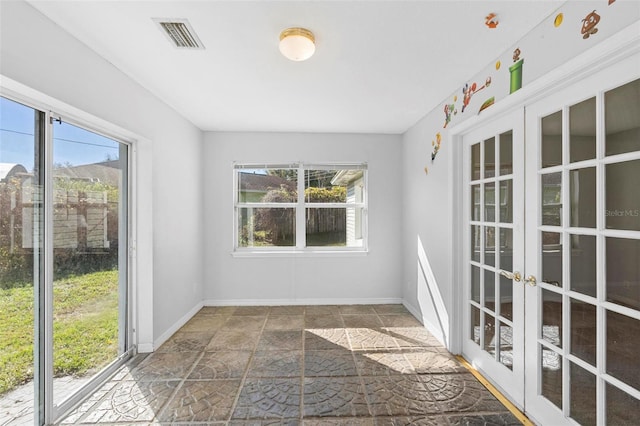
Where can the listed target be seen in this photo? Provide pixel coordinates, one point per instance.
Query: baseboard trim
(296, 302)
(175, 327)
(435, 331)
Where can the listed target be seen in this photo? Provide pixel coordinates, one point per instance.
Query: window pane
(583, 197)
(583, 395)
(21, 194)
(475, 325)
(490, 246)
(506, 345)
(622, 209)
(552, 199)
(490, 158)
(334, 186)
(489, 290)
(623, 341)
(260, 227)
(506, 297)
(475, 283)
(622, 118)
(583, 331)
(551, 376)
(506, 201)
(89, 254)
(267, 185)
(623, 274)
(475, 242)
(334, 227)
(582, 134)
(622, 408)
(583, 264)
(506, 153)
(552, 317)
(475, 162)
(552, 258)
(506, 249)
(489, 334)
(490, 202)
(552, 140)
(475, 202)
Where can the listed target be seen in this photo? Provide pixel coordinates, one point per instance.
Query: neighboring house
(254, 186)
(354, 181)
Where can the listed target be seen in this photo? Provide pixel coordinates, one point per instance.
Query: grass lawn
(85, 327)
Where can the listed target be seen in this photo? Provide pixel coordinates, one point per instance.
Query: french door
(552, 242)
(583, 245)
(494, 252)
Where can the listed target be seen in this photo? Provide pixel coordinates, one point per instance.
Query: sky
(71, 145)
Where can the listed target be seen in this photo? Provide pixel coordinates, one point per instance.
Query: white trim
(298, 302)
(175, 327)
(287, 252)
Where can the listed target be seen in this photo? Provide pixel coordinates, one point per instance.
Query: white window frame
(300, 206)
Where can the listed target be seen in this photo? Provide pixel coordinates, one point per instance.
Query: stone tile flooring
(296, 365)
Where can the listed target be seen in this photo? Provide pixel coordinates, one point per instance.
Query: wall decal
(498, 65)
(486, 104)
(611, 2)
(469, 91)
(426, 171)
(515, 72)
(589, 25)
(558, 21)
(436, 146)
(449, 110)
(491, 21)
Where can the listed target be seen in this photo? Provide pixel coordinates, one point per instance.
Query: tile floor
(294, 365)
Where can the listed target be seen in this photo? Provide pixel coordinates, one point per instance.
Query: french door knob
(516, 276)
(531, 280)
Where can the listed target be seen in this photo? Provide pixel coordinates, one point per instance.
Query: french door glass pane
(552, 317)
(475, 161)
(552, 199)
(622, 408)
(475, 202)
(506, 201)
(506, 153)
(551, 377)
(475, 243)
(490, 202)
(623, 341)
(89, 171)
(475, 284)
(583, 331)
(583, 264)
(506, 298)
(475, 324)
(489, 290)
(490, 245)
(490, 158)
(623, 274)
(582, 134)
(622, 208)
(265, 227)
(583, 197)
(506, 345)
(551, 143)
(20, 243)
(622, 118)
(552, 258)
(583, 395)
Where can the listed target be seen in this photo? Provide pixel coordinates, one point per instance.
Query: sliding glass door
(63, 255)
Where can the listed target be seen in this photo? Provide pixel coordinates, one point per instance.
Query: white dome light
(297, 44)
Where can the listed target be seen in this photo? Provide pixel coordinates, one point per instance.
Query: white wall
(41, 56)
(290, 280)
(428, 207)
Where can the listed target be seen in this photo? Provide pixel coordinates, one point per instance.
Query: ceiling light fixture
(297, 44)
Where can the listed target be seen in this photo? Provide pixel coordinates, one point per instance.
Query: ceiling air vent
(180, 33)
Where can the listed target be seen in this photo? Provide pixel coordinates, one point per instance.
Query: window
(300, 207)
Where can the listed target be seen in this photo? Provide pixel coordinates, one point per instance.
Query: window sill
(300, 253)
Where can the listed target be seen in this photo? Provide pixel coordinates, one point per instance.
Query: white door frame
(615, 49)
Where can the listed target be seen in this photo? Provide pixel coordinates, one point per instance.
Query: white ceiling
(379, 66)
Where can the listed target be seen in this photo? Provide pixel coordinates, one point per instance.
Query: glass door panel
(20, 243)
(583, 245)
(89, 256)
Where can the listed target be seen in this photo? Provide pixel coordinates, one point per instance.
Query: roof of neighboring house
(107, 172)
(8, 170)
(344, 177)
(262, 183)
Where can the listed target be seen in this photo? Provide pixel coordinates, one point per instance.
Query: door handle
(511, 275)
(531, 280)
